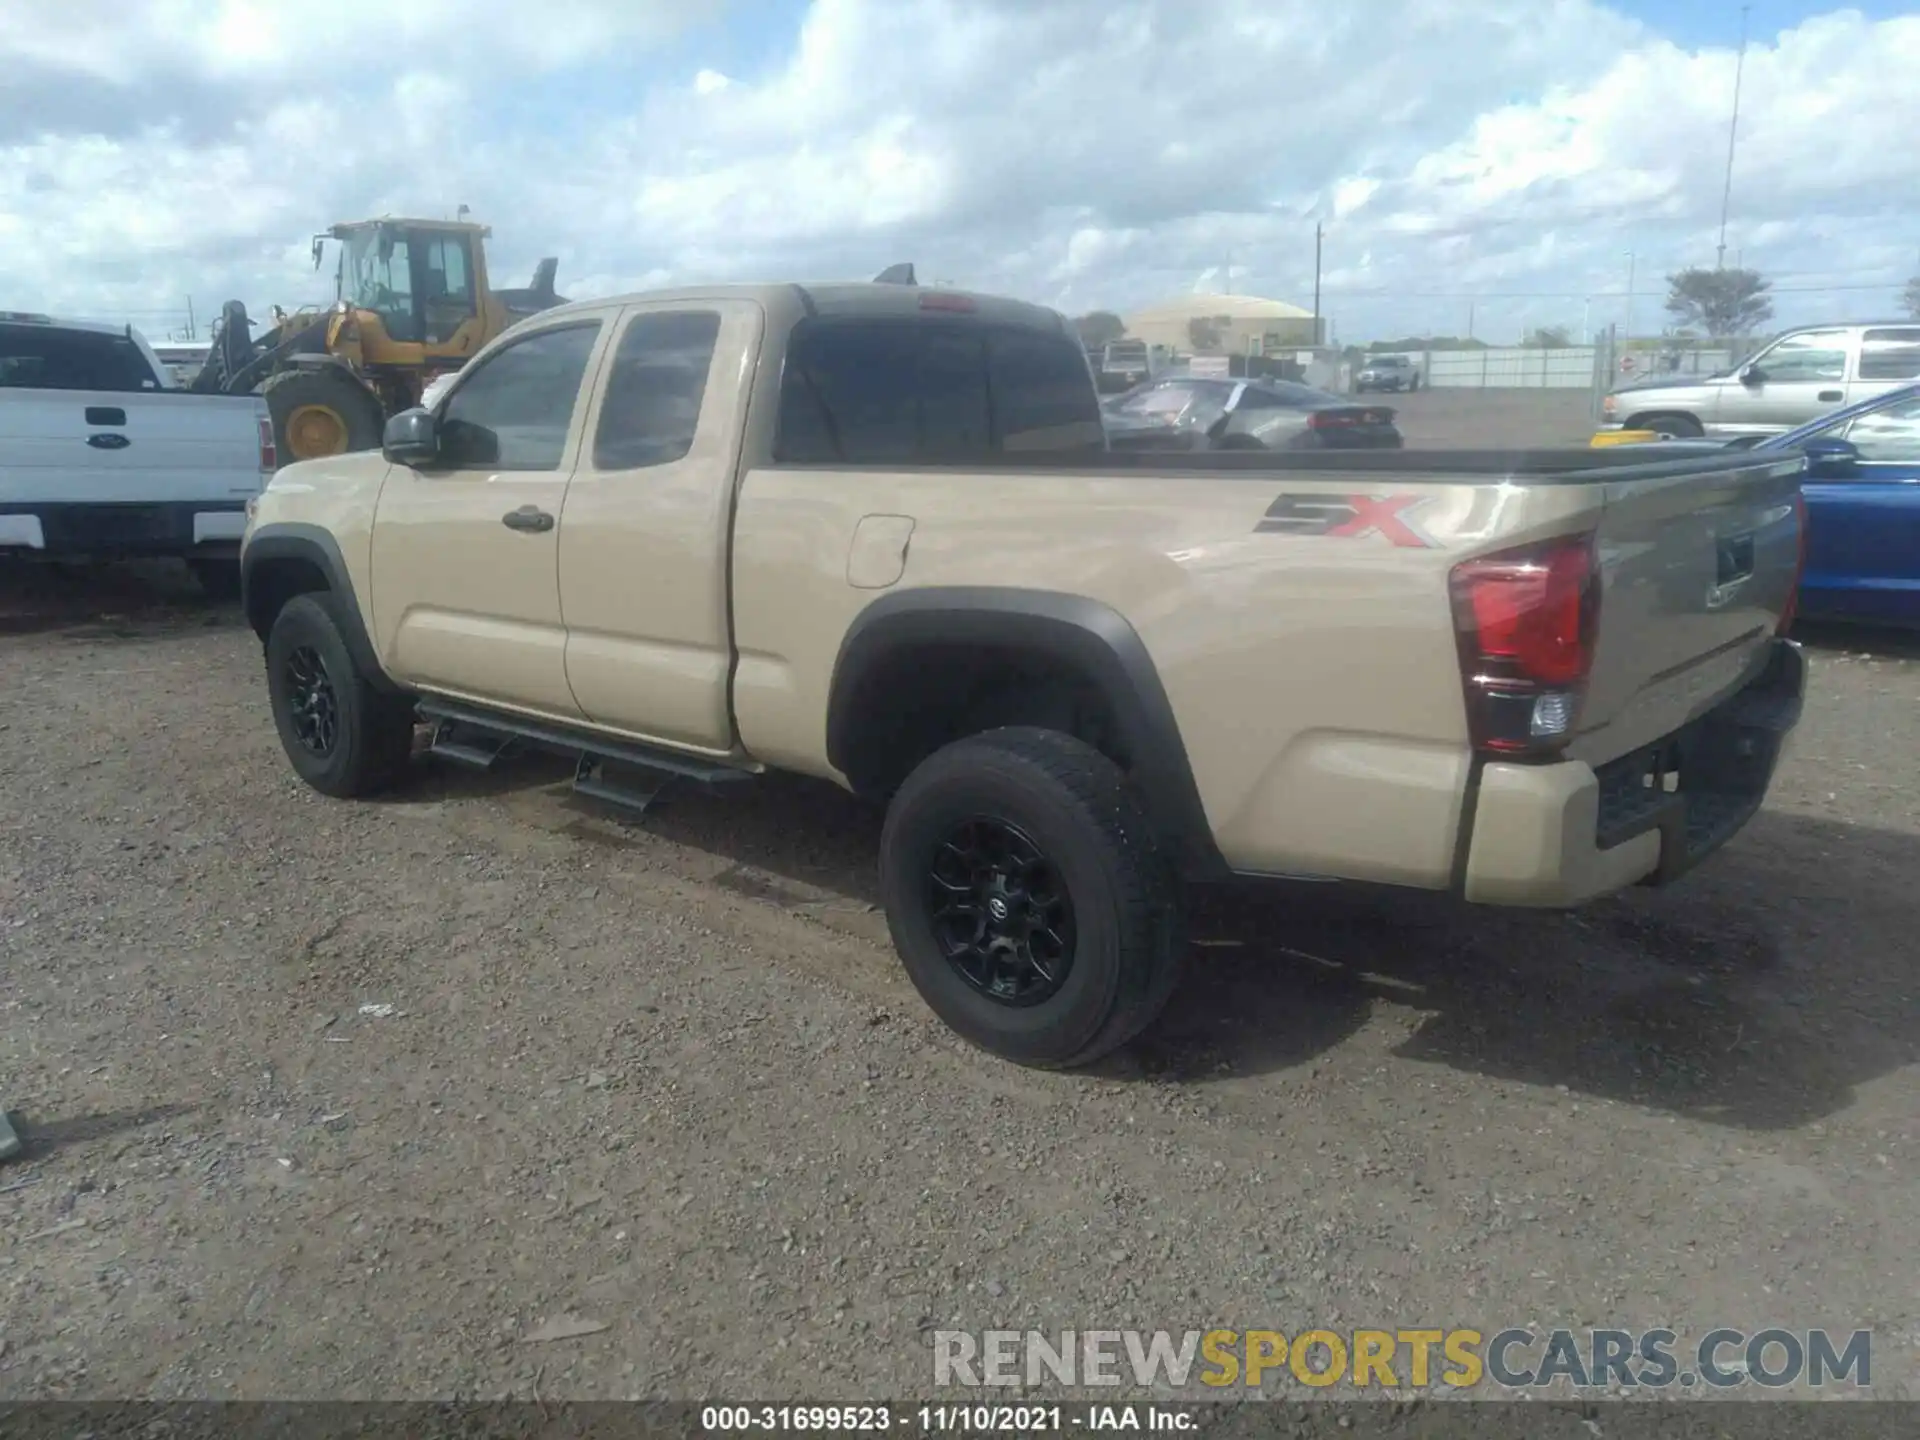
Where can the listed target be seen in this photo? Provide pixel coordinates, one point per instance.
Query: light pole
(1627, 326)
(1316, 282)
(1733, 136)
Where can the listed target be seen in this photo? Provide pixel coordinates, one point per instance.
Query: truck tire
(1029, 897)
(342, 736)
(321, 411)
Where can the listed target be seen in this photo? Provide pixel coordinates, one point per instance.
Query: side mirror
(412, 438)
(1830, 456)
(1753, 375)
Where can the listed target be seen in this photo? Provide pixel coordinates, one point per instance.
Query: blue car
(1863, 510)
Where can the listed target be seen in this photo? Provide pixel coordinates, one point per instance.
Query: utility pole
(192, 334)
(1733, 136)
(1627, 329)
(1316, 282)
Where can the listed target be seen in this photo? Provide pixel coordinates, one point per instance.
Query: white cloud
(1088, 153)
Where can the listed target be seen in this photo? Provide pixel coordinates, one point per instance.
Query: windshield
(380, 282)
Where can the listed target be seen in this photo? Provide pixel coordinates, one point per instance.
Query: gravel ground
(667, 1078)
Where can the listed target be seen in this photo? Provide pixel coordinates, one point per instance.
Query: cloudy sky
(1499, 159)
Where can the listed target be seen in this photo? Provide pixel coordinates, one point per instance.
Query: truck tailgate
(99, 447)
(1697, 569)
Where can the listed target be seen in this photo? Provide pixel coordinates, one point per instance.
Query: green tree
(1099, 327)
(1719, 303)
(1203, 334)
(1911, 298)
(1548, 337)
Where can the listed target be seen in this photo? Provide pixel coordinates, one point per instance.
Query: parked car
(1189, 412)
(1862, 490)
(103, 457)
(1387, 372)
(1799, 377)
(877, 536)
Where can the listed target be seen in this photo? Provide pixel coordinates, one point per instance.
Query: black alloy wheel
(1001, 913)
(313, 710)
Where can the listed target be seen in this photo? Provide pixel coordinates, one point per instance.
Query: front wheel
(1029, 898)
(343, 735)
(1670, 427)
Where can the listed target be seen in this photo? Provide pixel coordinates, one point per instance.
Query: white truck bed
(102, 458)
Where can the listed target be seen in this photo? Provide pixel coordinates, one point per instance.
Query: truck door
(1863, 524)
(645, 536)
(1796, 380)
(466, 590)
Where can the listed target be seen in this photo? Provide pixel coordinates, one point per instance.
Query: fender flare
(311, 545)
(1088, 635)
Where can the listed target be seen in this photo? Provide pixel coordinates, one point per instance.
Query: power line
(1733, 136)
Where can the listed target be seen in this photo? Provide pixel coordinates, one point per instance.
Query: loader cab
(423, 281)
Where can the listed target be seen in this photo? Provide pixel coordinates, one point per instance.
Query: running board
(480, 738)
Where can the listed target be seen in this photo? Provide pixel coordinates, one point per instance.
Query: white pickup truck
(102, 457)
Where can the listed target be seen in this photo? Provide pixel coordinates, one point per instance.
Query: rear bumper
(1561, 834)
(114, 531)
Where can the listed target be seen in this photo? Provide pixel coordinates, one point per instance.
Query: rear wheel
(1669, 427)
(319, 412)
(1029, 898)
(342, 735)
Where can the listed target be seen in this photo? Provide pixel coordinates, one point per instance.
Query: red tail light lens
(943, 300)
(1792, 606)
(269, 455)
(1526, 621)
(1331, 419)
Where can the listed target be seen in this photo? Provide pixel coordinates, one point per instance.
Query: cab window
(514, 410)
(1814, 356)
(658, 380)
(1888, 437)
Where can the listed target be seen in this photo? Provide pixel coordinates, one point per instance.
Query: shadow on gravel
(43, 1138)
(126, 601)
(1758, 993)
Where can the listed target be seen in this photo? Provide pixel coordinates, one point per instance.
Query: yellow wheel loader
(411, 303)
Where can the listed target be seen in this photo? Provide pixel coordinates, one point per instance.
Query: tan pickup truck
(873, 533)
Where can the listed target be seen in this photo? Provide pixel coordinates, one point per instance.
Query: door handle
(1829, 394)
(529, 518)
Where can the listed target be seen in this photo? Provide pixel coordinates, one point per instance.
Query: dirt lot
(668, 1078)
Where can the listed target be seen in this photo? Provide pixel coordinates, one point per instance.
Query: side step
(480, 738)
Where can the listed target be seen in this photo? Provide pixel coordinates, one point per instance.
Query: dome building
(1235, 320)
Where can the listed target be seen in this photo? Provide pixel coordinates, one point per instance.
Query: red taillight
(1331, 419)
(1526, 621)
(269, 455)
(1799, 564)
(946, 300)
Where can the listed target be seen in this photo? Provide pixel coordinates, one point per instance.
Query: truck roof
(842, 297)
(56, 322)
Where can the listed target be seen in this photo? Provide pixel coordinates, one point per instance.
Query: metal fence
(1509, 368)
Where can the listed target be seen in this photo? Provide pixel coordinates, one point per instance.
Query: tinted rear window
(920, 392)
(42, 357)
(1890, 355)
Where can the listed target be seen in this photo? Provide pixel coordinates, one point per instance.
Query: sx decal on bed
(1348, 517)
